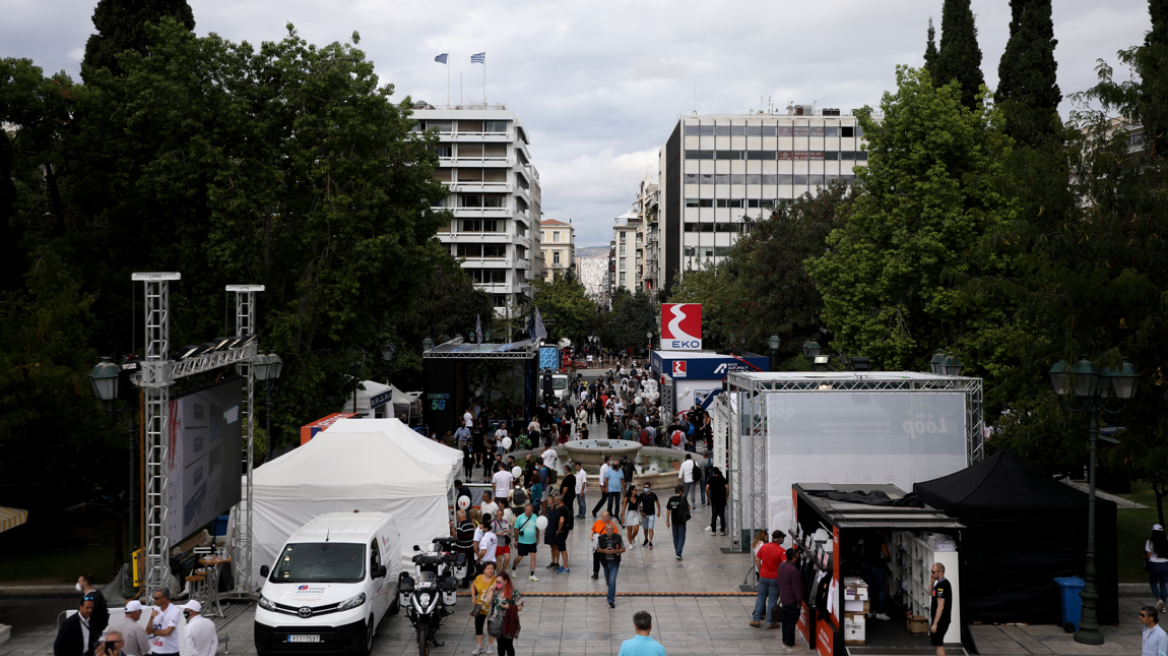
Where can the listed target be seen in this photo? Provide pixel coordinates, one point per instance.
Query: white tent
(398, 401)
(345, 471)
(423, 449)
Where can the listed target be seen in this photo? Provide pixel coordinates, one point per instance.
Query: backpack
(518, 498)
(676, 438)
(697, 473)
(644, 437)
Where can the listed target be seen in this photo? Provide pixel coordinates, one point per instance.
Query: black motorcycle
(430, 594)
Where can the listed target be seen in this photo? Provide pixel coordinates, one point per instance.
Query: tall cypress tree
(120, 27)
(959, 58)
(1154, 80)
(1027, 87)
(931, 49)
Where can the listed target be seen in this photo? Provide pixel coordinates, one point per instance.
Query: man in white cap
(202, 640)
(136, 642)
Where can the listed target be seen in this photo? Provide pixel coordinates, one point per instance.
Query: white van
(560, 387)
(330, 587)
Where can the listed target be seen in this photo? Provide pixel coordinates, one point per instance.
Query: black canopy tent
(1024, 529)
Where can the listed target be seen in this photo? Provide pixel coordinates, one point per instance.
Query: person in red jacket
(770, 555)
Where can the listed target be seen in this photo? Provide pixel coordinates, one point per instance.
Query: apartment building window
(521, 252)
(494, 126)
(622, 238)
(847, 131)
(555, 235)
(482, 225)
(543, 235)
(555, 257)
(441, 126)
(470, 126)
(622, 249)
(495, 250)
(444, 150)
(622, 263)
(471, 200)
(500, 300)
(521, 228)
(622, 278)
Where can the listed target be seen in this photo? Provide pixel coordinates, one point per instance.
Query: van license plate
(300, 637)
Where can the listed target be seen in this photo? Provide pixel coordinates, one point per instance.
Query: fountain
(592, 452)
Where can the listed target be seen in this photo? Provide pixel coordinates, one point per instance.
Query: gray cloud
(599, 85)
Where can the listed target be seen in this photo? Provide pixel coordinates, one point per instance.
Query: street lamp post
(357, 360)
(1093, 387)
(104, 378)
(774, 344)
(267, 369)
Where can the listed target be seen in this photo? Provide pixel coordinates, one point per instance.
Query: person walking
(631, 515)
(581, 488)
(643, 643)
(611, 547)
(101, 616)
(464, 532)
(559, 526)
(615, 482)
(501, 597)
(163, 626)
(679, 513)
(202, 639)
(603, 487)
(874, 555)
(1156, 553)
(717, 491)
(568, 489)
(479, 590)
(527, 538)
(791, 595)
(74, 638)
(1155, 641)
(941, 608)
(685, 476)
(502, 481)
(488, 543)
(650, 508)
(770, 556)
(134, 640)
(599, 527)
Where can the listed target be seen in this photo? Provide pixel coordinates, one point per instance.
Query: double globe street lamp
(1093, 387)
(266, 369)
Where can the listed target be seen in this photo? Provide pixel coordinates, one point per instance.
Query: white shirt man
(202, 640)
(549, 458)
(685, 473)
(487, 545)
(581, 480)
(467, 419)
(603, 473)
(500, 434)
(490, 507)
(502, 481)
(164, 619)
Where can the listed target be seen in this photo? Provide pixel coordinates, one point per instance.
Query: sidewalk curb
(55, 590)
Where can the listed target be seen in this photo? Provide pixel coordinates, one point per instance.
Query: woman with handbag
(504, 602)
(480, 592)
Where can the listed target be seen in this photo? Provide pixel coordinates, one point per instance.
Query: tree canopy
(959, 57)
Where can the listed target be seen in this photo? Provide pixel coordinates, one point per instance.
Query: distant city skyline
(599, 91)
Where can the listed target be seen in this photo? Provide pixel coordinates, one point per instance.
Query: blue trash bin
(1072, 604)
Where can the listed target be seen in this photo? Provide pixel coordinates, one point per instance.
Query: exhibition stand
(830, 526)
(896, 428)
(458, 374)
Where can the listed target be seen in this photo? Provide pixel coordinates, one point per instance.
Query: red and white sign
(679, 369)
(681, 327)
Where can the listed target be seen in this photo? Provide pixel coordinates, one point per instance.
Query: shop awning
(11, 518)
(849, 514)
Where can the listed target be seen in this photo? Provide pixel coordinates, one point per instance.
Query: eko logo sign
(681, 326)
(679, 369)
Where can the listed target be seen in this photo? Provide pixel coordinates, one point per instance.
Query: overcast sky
(599, 85)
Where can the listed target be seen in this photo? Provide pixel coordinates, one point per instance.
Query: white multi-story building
(485, 162)
(558, 244)
(625, 253)
(717, 170)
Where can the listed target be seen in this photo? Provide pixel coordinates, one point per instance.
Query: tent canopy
(11, 518)
(1024, 529)
(439, 457)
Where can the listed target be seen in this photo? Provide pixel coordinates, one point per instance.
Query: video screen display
(203, 457)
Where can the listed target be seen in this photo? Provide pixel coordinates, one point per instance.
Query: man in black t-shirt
(677, 509)
(650, 507)
(464, 544)
(477, 442)
(941, 608)
(717, 490)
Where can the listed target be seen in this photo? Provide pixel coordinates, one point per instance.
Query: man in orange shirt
(599, 527)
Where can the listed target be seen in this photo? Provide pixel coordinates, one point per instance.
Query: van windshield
(320, 562)
(559, 382)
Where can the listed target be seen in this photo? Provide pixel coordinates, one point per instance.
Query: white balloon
(637, 400)
(507, 443)
(463, 503)
(541, 522)
(516, 472)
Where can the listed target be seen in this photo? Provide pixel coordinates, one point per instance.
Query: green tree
(959, 58)
(718, 291)
(631, 318)
(931, 49)
(1027, 86)
(1151, 64)
(121, 26)
(928, 196)
(565, 309)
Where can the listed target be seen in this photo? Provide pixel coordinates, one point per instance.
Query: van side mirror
(264, 571)
(417, 548)
(380, 572)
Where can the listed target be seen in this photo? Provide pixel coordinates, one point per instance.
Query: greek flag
(480, 58)
(441, 59)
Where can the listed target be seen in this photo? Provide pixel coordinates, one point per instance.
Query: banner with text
(681, 326)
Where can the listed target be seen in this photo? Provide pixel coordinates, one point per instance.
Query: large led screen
(849, 437)
(203, 457)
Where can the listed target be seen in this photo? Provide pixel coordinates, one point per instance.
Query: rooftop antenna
(695, 97)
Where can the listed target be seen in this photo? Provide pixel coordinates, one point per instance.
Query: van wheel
(394, 607)
(370, 629)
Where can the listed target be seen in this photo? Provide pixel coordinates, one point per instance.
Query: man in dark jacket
(100, 618)
(76, 635)
(791, 596)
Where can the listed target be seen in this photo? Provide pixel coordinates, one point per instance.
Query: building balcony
(447, 162)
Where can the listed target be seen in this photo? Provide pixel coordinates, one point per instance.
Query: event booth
(691, 378)
(833, 526)
(459, 375)
(356, 464)
(894, 428)
(1023, 530)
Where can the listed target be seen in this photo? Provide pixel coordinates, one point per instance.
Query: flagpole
(484, 81)
(448, 83)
